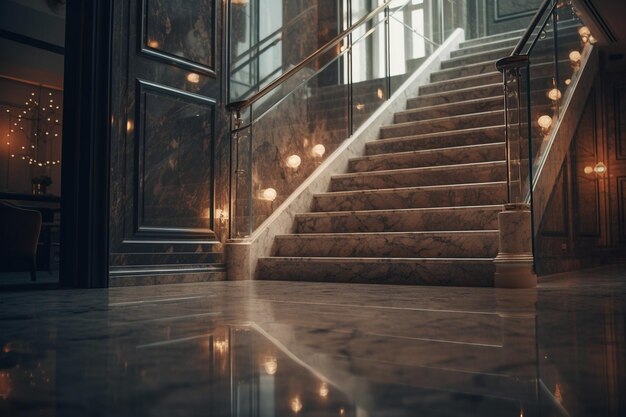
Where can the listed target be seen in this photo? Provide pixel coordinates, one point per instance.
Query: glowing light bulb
(379, 93)
(269, 194)
(600, 168)
(324, 390)
(318, 150)
(153, 44)
(592, 40)
(192, 77)
(295, 405)
(575, 57)
(293, 161)
(584, 31)
(554, 94)
(270, 365)
(545, 121)
(568, 81)
(360, 106)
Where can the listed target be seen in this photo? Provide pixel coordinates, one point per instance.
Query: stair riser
(468, 121)
(400, 221)
(470, 50)
(464, 71)
(453, 156)
(449, 85)
(447, 245)
(399, 199)
(419, 178)
(493, 38)
(455, 96)
(424, 273)
(492, 55)
(473, 137)
(450, 110)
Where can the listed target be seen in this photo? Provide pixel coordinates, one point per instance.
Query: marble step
(443, 124)
(490, 55)
(416, 177)
(454, 109)
(489, 193)
(486, 46)
(466, 272)
(464, 71)
(515, 34)
(430, 157)
(444, 244)
(455, 84)
(400, 220)
(463, 137)
(462, 94)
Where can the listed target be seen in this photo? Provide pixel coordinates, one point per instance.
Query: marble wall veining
(170, 148)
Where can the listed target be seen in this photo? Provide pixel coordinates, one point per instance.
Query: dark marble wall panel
(182, 30)
(621, 198)
(619, 100)
(556, 218)
(170, 146)
(175, 150)
(507, 15)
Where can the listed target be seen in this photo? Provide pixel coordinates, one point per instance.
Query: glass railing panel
(409, 42)
(289, 142)
(369, 72)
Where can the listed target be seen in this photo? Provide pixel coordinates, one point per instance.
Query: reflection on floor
(21, 279)
(308, 349)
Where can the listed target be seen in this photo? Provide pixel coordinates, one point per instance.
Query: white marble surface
(265, 348)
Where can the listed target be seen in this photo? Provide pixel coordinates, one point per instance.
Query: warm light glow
(558, 395)
(192, 77)
(324, 390)
(568, 81)
(545, 121)
(360, 106)
(295, 405)
(293, 161)
(239, 2)
(592, 40)
(153, 44)
(342, 411)
(575, 57)
(269, 194)
(270, 365)
(554, 94)
(318, 150)
(5, 385)
(600, 168)
(588, 170)
(584, 31)
(380, 94)
(220, 346)
(130, 125)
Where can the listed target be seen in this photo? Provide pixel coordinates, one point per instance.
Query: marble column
(514, 263)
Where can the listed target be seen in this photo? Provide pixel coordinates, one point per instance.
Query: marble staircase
(420, 207)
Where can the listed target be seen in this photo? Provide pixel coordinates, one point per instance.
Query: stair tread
(460, 90)
(417, 169)
(443, 106)
(427, 151)
(438, 119)
(437, 134)
(380, 211)
(419, 188)
(366, 234)
(379, 259)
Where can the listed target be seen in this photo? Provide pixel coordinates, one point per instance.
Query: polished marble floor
(305, 349)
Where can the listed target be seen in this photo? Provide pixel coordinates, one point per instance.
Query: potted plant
(40, 183)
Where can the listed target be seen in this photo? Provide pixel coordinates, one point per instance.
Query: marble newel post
(514, 263)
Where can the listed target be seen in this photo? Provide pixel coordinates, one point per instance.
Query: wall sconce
(270, 365)
(269, 194)
(318, 150)
(600, 168)
(293, 161)
(220, 346)
(544, 123)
